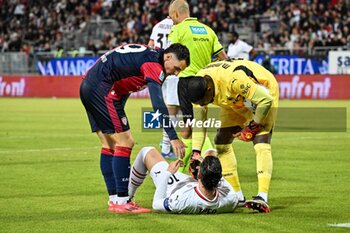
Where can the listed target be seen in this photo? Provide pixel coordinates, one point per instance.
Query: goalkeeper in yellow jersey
(247, 95)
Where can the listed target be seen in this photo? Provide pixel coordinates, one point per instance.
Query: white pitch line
(95, 147)
(302, 138)
(317, 137)
(44, 150)
(346, 225)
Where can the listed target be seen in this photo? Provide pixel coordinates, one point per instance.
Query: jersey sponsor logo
(236, 99)
(225, 66)
(161, 76)
(200, 30)
(245, 88)
(201, 39)
(215, 64)
(165, 26)
(207, 211)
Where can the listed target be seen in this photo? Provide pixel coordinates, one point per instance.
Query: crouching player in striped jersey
(205, 192)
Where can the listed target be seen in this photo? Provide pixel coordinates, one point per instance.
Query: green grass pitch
(50, 179)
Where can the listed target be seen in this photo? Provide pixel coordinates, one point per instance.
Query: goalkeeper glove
(195, 163)
(248, 133)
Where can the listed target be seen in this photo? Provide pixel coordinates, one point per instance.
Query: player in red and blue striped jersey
(104, 92)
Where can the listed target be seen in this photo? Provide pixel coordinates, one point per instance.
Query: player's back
(125, 61)
(160, 33)
(223, 71)
(189, 199)
(239, 49)
(201, 41)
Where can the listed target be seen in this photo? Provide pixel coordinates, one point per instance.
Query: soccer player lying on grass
(247, 95)
(206, 192)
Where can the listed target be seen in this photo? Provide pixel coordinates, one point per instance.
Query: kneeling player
(206, 192)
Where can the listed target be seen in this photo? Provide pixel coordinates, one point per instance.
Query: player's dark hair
(210, 172)
(181, 52)
(235, 34)
(196, 88)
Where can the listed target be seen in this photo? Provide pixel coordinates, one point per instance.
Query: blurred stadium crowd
(42, 25)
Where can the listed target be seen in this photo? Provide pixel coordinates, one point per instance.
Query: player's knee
(222, 149)
(147, 151)
(223, 137)
(126, 141)
(265, 138)
(131, 143)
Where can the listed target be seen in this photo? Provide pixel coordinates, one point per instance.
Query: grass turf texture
(50, 179)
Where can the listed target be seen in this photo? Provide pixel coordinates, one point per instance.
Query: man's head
(179, 10)
(210, 172)
(176, 59)
(200, 90)
(233, 37)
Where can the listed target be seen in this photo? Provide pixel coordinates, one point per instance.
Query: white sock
(240, 196)
(166, 145)
(138, 172)
(263, 195)
(122, 200)
(113, 198)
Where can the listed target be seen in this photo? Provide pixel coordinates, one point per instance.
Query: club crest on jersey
(124, 121)
(198, 30)
(161, 77)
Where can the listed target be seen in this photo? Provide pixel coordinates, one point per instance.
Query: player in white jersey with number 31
(159, 38)
(205, 192)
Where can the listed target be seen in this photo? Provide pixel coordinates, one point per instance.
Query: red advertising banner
(46, 86)
(314, 86)
(291, 86)
(40, 86)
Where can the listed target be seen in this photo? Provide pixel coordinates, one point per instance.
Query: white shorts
(169, 89)
(159, 169)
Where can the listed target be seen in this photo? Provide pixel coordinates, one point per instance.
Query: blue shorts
(105, 112)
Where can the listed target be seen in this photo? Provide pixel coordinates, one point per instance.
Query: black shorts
(185, 103)
(105, 113)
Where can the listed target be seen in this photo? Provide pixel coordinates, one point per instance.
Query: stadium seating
(35, 26)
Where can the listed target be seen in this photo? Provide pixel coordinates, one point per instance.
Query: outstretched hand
(174, 166)
(248, 133)
(178, 147)
(196, 160)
